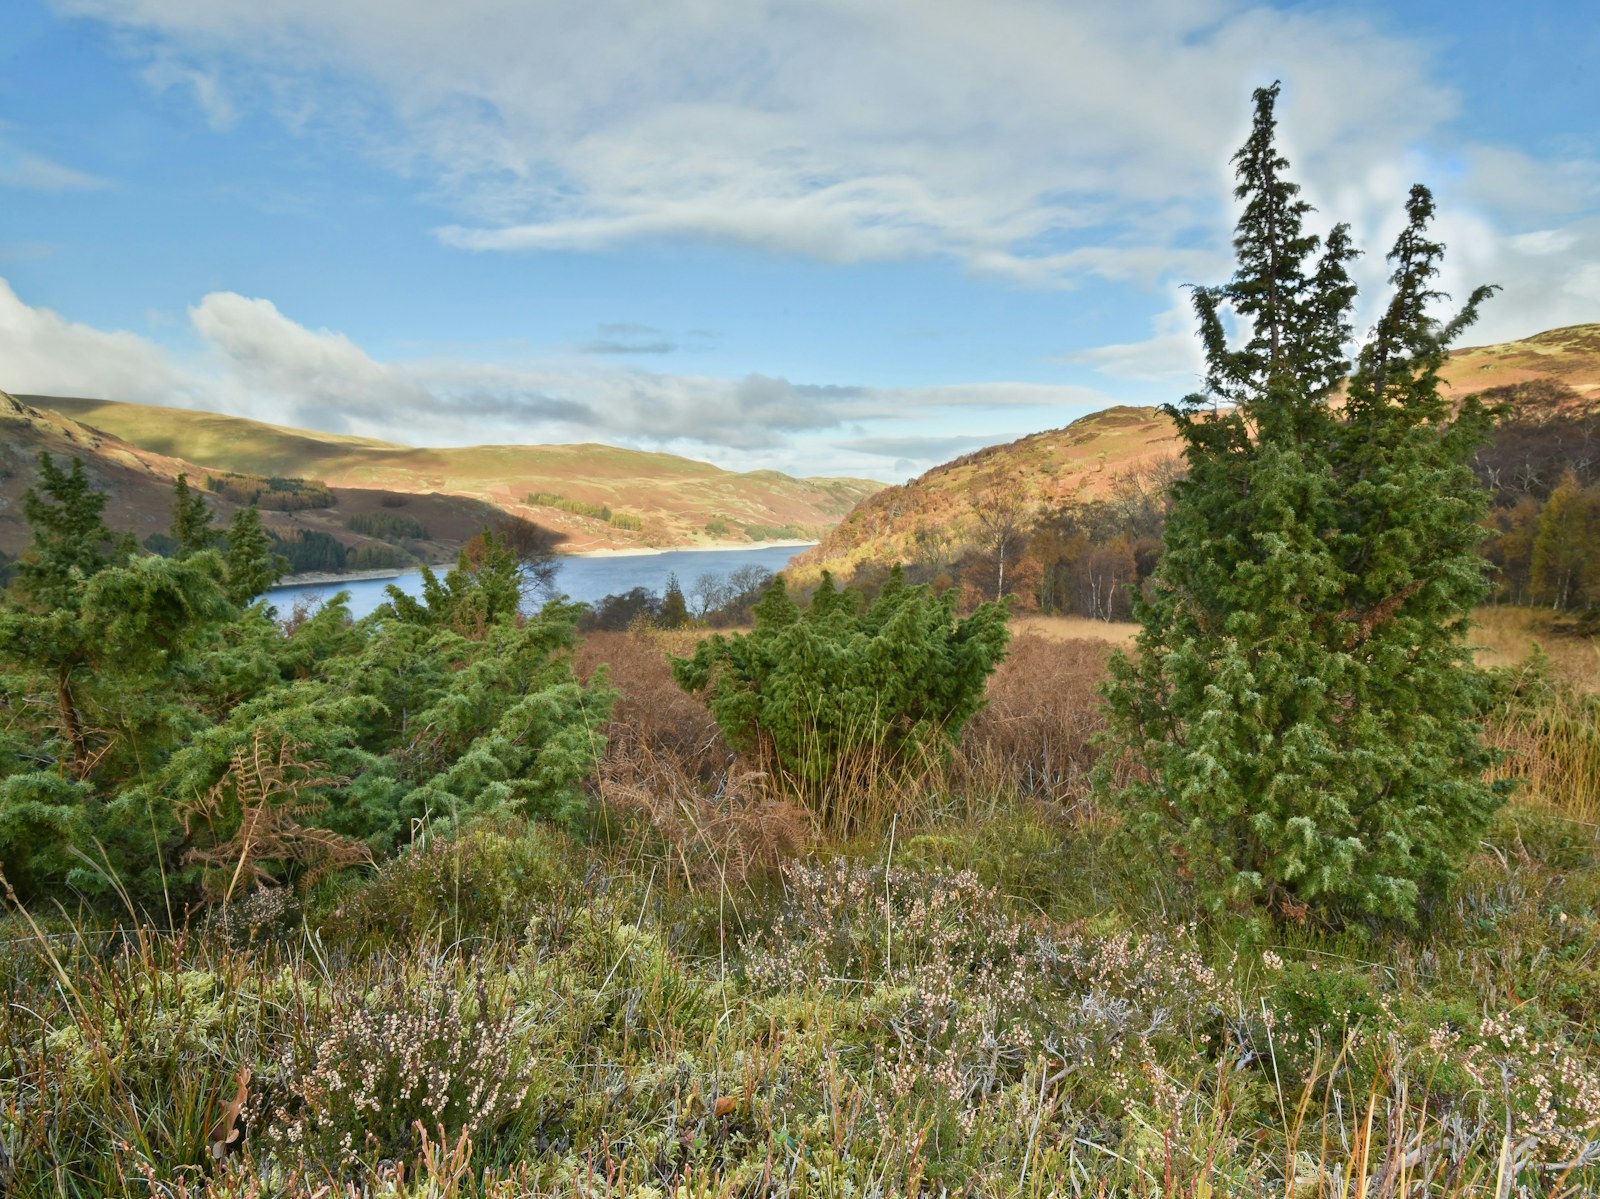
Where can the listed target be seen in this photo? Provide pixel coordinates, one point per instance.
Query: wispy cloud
(627, 347)
(256, 361)
(1041, 143)
(21, 168)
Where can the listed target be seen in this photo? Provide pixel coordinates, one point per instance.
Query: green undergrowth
(996, 1006)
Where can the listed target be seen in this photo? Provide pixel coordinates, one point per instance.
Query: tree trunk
(71, 723)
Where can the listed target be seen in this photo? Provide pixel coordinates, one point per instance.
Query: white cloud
(257, 362)
(33, 172)
(1038, 141)
(204, 86)
(1172, 353)
(41, 352)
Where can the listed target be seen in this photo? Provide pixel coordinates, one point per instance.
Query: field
(699, 993)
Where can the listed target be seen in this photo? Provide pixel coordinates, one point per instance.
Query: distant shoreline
(313, 578)
(708, 547)
(367, 576)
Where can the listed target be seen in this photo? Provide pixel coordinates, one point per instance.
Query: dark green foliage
(132, 686)
(312, 551)
(376, 557)
(191, 521)
(385, 525)
(70, 539)
(161, 544)
(95, 645)
(484, 588)
(614, 613)
(1565, 558)
(674, 612)
(1300, 719)
(839, 687)
(252, 566)
(774, 532)
(550, 499)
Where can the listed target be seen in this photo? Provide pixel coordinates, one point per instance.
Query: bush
(838, 690)
(1300, 725)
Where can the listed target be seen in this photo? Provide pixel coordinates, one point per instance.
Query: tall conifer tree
(191, 520)
(251, 566)
(1300, 715)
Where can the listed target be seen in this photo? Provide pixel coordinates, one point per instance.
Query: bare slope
(1082, 462)
(674, 498)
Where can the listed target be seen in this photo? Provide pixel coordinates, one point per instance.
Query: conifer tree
(191, 520)
(1299, 721)
(71, 542)
(252, 567)
(674, 608)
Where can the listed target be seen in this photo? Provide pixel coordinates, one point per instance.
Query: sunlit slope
(138, 486)
(674, 499)
(1084, 461)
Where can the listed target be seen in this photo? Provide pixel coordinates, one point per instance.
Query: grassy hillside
(139, 482)
(672, 500)
(934, 514)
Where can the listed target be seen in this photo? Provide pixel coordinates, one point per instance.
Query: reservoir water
(579, 578)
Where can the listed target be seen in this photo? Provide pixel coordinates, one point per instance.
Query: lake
(579, 578)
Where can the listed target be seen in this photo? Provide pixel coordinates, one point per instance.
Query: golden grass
(1076, 628)
(1549, 728)
(1505, 636)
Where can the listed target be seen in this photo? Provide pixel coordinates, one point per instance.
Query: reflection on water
(579, 578)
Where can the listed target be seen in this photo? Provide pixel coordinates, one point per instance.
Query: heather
(688, 988)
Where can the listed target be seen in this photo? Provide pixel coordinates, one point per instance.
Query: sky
(830, 237)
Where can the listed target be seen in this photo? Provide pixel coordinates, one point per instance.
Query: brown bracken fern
(261, 798)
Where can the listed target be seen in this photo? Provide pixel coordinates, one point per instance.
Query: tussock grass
(1547, 720)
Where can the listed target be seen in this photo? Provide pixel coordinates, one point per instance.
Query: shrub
(1302, 713)
(838, 689)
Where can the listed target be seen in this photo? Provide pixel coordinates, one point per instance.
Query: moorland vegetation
(876, 897)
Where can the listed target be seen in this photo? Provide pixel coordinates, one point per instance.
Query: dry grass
(1043, 712)
(1076, 628)
(1505, 636)
(1549, 723)
(668, 768)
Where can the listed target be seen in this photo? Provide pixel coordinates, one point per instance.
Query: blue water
(579, 578)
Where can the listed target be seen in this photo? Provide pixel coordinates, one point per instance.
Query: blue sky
(838, 236)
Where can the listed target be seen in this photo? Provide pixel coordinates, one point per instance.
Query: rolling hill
(594, 496)
(1551, 375)
(139, 481)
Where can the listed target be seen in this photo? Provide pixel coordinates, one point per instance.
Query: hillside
(139, 483)
(674, 501)
(1549, 376)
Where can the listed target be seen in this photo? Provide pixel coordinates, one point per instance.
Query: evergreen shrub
(842, 689)
(1301, 721)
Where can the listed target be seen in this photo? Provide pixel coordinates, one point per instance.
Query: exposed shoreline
(367, 576)
(707, 547)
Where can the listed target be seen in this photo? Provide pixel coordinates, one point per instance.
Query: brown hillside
(674, 499)
(139, 483)
(1061, 467)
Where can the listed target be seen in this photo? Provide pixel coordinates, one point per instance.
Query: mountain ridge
(649, 498)
(1551, 374)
